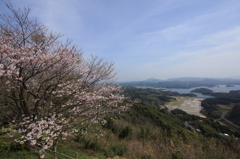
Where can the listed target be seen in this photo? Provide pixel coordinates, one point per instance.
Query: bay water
(188, 90)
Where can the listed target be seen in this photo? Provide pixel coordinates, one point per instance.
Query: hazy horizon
(149, 39)
(152, 78)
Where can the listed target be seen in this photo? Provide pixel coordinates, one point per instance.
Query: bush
(92, 144)
(116, 149)
(4, 146)
(126, 132)
(177, 155)
(17, 146)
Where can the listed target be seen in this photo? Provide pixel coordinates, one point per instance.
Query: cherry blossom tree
(48, 87)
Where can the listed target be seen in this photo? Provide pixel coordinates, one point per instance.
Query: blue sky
(149, 38)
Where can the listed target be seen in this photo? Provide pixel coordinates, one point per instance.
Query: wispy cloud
(219, 38)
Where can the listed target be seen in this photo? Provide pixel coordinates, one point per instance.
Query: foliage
(92, 144)
(126, 133)
(234, 114)
(116, 149)
(177, 155)
(211, 105)
(178, 111)
(203, 91)
(14, 146)
(4, 146)
(150, 97)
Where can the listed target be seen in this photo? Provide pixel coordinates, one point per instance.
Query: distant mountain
(184, 82)
(152, 80)
(193, 79)
(187, 79)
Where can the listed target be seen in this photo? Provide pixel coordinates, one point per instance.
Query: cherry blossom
(48, 87)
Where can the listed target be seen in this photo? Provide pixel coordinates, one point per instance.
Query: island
(204, 91)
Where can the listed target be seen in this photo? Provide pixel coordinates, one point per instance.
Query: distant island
(204, 91)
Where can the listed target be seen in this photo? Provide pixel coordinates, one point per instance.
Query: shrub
(177, 155)
(4, 146)
(126, 132)
(92, 144)
(14, 146)
(116, 149)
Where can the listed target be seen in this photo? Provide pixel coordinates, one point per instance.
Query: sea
(188, 90)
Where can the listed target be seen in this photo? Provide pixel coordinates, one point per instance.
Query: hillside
(222, 102)
(147, 131)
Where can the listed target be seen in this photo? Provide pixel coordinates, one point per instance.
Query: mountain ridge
(183, 82)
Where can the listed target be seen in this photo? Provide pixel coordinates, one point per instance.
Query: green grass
(23, 154)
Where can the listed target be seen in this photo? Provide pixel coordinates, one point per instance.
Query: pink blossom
(47, 85)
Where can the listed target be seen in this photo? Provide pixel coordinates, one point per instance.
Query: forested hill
(222, 102)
